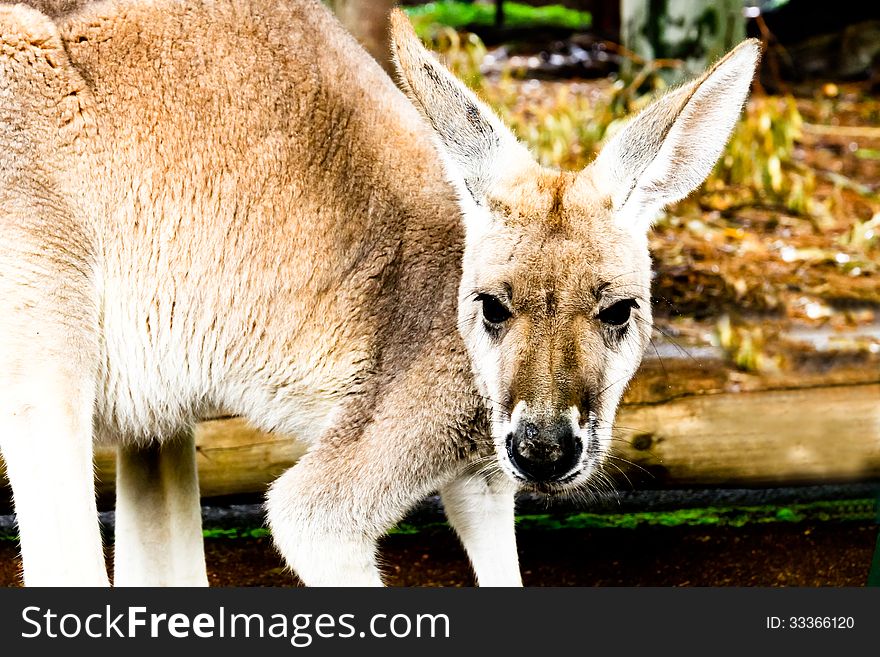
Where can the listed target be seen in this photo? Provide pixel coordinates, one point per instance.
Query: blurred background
(748, 446)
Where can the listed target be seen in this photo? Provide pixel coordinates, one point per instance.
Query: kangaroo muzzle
(544, 452)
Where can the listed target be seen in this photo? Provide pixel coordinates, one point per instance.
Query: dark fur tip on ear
(401, 30)
(404, 41)
(400, 23)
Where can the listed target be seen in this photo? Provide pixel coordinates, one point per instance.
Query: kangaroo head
(554, 302)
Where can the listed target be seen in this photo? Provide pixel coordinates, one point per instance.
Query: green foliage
(863, 235)
(462, 52)
(459, 14)
(857, 510)
(236, 532)
(868, 153)
(760, 157)
(561, 127)
(744, 345)
(724, 516)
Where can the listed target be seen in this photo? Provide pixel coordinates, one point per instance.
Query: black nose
(544, 453)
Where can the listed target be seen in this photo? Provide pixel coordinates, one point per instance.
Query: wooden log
(769, 437)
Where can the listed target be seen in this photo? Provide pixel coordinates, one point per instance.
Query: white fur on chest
(164, 367)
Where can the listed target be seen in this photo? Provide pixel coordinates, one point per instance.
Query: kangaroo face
(555, 312)
(554, 302)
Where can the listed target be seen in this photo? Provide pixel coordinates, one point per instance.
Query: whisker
(620, 470)
(671, 340)
(615, 425)
(501, 405)
(610, 385)
(660, 297)
(659, 358)
(628, 462)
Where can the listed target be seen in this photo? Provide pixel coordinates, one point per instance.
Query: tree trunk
(499, 13)
(367, 20)
(697, 32)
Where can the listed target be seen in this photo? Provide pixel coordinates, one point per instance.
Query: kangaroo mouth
(552, 488)
(555, 486)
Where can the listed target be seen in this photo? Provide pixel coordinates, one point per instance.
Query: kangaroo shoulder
(38, 84)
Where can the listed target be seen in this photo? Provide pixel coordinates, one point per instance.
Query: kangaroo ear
(669, 149)
(475, 145)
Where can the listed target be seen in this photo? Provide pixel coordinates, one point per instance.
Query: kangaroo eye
(617, 314)
(494, 311)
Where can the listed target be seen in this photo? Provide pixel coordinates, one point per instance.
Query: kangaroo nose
(543, 454)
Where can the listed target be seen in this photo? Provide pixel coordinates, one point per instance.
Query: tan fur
(226, 206)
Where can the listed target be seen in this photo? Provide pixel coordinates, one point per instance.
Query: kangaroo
(227, 206)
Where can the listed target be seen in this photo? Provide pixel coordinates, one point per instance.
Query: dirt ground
(810, 554)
